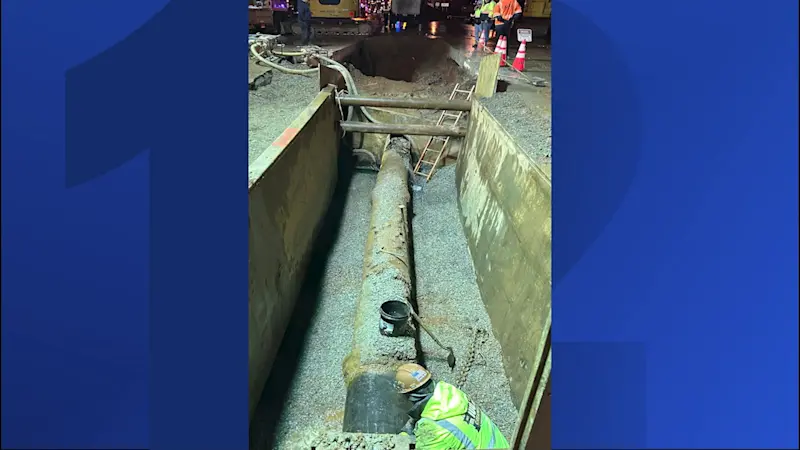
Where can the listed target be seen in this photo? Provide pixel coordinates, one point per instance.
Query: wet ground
(522, 107)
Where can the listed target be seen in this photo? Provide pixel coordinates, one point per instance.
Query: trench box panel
(504, 199)
(291, 186)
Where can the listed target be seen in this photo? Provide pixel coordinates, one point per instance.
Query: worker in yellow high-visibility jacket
(442, 417)
(482, 18)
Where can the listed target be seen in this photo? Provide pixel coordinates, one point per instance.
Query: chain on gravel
(470, 360)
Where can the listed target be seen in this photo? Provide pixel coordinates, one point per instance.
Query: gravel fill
(356, 441)
(316, 398)
(526, 115)
(450, 303)
(274, 106)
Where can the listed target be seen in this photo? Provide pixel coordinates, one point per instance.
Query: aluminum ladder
(426, 167)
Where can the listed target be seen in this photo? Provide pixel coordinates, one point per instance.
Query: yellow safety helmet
(410, 377)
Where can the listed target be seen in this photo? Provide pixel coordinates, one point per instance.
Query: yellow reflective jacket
(450, 421)
(484, 9)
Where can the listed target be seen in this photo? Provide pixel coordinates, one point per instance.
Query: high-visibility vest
(488, 8)
(506, 9)
(450, 421)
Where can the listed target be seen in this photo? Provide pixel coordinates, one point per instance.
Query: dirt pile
(406, 66)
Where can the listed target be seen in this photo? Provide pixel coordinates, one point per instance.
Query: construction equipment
(354, 17)
(342, 18)
(339, 18)
(425, 167)
(330, 17)
(267, 15)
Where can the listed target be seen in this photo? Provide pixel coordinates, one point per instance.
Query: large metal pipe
(373, 404)
(404, 128)
(409, 103)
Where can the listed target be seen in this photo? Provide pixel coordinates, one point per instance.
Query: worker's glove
(408, 428)
(411, 437)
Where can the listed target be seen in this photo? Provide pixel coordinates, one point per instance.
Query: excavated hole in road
(409, 58)
(406, 66)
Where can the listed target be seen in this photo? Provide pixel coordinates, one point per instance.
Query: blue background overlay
(124, 224)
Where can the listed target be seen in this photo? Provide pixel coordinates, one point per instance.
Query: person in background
(483, 15)
(442, 417)
(505, 13)
(304, 17)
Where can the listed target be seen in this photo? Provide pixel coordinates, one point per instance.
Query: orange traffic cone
(498, 47)
(501, 49)
(519, 61)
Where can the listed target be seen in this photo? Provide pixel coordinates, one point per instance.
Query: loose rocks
(274, 106)
(526, 115)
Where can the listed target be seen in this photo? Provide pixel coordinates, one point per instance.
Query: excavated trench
(333, 366)
(406, 66)
(399, 57)
(334, 332)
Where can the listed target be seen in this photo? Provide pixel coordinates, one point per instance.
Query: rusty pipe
(373, 404)
(404, 128)
(407, 103)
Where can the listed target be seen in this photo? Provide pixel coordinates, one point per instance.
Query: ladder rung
(439, 138)
(425, 152)
(457, 116)
(463, 92)
(426, 162)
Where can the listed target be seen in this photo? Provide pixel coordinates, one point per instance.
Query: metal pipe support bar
(403, 128)
(409, 103)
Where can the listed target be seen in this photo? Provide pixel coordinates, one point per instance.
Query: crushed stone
(316, 398)
(526, 115)
(450, 303)
(354, 441)
(273, 107)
